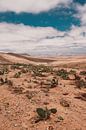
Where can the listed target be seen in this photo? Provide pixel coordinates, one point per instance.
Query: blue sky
(59, 18)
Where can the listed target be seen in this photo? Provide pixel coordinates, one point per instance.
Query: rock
(50, 128)
(64, 103)
(15, 125)
(46, 103)
(24, 126)
(65, 93)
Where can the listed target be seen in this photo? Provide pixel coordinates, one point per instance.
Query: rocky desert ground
(42, 93)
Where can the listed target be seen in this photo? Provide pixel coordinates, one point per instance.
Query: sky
(43, 27)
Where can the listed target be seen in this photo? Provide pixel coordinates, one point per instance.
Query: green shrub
(63, 74)
(44, 114)
(43, 68)
(53, 110)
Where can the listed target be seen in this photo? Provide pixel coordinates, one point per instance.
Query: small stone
(65, 93)
(50, 128)
(46, 103)
(72, 77)
(64, 103)
(61, 118)
(8, 112)
(24, 126)
(15, 125)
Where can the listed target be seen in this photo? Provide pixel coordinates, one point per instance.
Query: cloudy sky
(43, 27)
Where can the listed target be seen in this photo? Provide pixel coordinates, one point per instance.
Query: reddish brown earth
(20, 98)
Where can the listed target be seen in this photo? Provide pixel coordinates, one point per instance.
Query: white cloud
(33, 6)
(41, 40)
(20, 32)
(81, 13)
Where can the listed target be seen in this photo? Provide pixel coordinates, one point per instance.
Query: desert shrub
(6, 81)
(80, 83)
(72, 72)
(51, 83)
(60, 118)
(77, 77)
(18, 66)
(44, 114)
(38, 70)
(1, 72)
(43, 68)
(4, 70)
(63, 74)
(54, 83)
(37, 73)
(17, 75)
(10, 83)
(1, 81)
(53, 110)
(15, 66)
(24, 70)
(83, 73)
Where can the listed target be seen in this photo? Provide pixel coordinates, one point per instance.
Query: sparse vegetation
(4, 70)
(17, 75)
(83, 73)
(77, 77)
(54, 83)
(72, 72)
(6, 81)
(44, 114)
(60, 118)
(80, 83)
(35, 89)
(63, 74)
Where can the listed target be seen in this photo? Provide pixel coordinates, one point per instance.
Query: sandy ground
(21, 94)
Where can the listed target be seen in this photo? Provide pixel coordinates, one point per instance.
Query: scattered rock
(50, 128)
(64, 103)
(65, 93)
(71, 77)
(15, 125)
(81, 96)
(60, 118)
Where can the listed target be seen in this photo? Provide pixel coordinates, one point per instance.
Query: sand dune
(55, 61)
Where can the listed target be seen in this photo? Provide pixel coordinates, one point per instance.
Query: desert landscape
(42, 64)
(42, 93)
